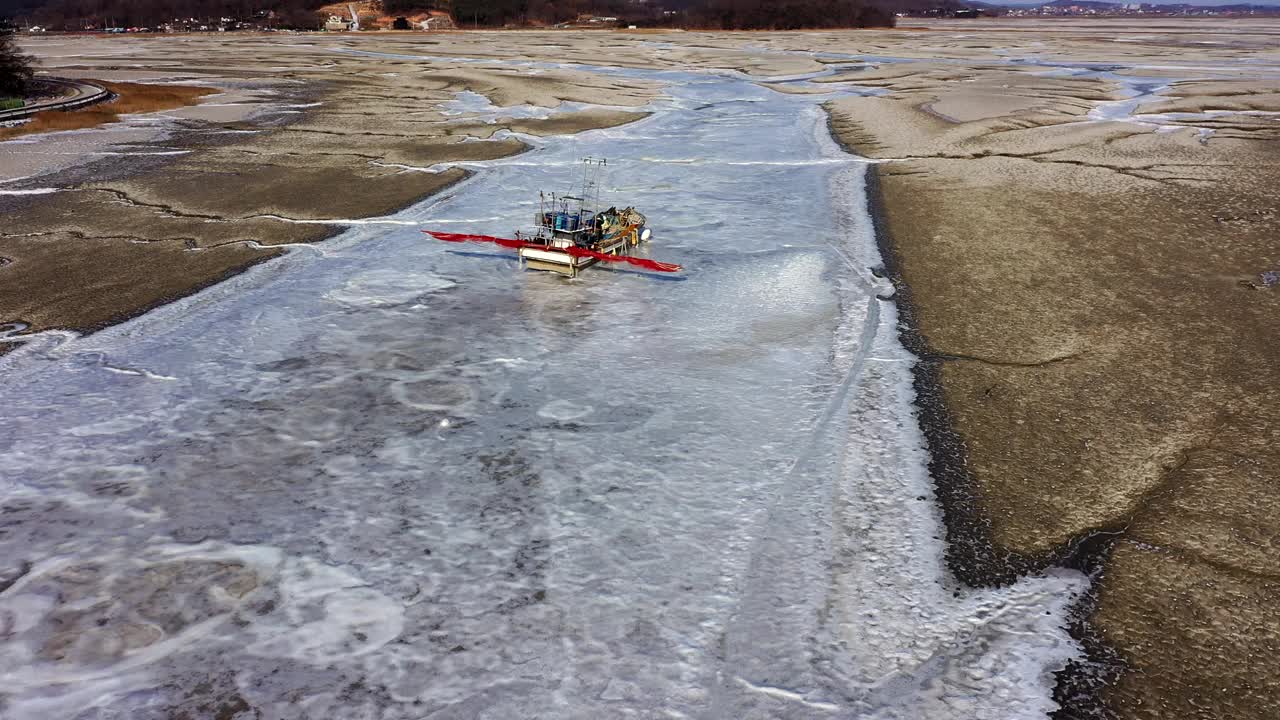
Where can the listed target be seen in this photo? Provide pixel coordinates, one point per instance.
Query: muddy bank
(1085, 300)
(971, 555)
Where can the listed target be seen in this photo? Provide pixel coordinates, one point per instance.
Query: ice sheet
(403, 479)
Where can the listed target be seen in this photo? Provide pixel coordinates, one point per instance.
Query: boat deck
(558, 261)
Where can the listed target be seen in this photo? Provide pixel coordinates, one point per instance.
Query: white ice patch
(341, 221)
(82, 631)
(564, 411)
(432, 169)
(1125, 111)
(328, 615)
(468, 105)
(433, 394)
(114, 426)
(467, 101)
(32, 191)
(387, 288)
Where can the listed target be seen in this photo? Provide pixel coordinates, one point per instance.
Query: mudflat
(1088, 282)
(221, 152)
(1080, 215)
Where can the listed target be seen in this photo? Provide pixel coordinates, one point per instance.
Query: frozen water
(387, 288)
(403, 479)
(1136, 92)
(471, 106)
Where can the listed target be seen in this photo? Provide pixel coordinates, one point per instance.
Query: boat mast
(591, 172)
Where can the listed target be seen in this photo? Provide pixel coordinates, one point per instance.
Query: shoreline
(970, 552)
(14, 341)
(1049, 271)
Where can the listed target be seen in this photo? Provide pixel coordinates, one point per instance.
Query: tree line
(81, 14)
(693, 14)
(302, 14)
(15, 68)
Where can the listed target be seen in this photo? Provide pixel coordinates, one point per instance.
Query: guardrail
(86, 93)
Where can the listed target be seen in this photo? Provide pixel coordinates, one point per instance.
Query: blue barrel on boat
(560, 221)
(572, 223)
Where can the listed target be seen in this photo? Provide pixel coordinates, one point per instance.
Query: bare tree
(15, 67)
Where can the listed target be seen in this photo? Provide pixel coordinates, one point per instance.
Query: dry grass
(132, 98)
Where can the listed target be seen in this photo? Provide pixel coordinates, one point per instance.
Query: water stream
(396, 478)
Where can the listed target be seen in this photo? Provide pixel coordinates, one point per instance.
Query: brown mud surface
(1099, 354)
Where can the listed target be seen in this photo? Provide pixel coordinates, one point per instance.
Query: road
(76, 94)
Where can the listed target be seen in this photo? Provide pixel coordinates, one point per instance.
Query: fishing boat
(571, 233)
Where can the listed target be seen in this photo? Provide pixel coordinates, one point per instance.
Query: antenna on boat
(592, 169)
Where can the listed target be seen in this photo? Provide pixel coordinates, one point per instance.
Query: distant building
(341, 23)
(337, 23)
(438, 21)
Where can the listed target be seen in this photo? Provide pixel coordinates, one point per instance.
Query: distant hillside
(18, 8)
(78, 14)
(307, 14)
